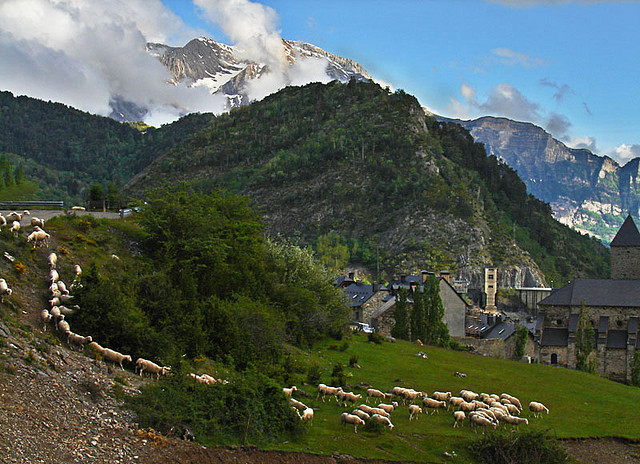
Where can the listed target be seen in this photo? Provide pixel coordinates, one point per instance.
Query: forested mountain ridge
(65, 150)
(366, 170)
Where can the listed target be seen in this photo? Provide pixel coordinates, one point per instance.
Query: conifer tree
(401, 316)
(418, 319)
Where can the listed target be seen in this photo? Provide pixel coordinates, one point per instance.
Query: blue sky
(571, 67)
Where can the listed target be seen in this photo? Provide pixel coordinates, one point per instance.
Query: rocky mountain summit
(588, 192)
(216, 66)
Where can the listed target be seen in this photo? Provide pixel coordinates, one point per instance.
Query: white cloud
(625, 153)
(84, 53)
(583, 142)
(511, 57)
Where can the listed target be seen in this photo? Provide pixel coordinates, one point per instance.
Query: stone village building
(612, 306)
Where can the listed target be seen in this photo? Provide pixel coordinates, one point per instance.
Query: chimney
(424, 274)
(446, 275)
(412, 287)
(352, 276)
(374, 287)
(403, 278)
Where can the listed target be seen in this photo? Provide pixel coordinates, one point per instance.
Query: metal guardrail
(31, 203)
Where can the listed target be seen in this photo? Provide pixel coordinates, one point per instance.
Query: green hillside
(64, 150)
(390, 185)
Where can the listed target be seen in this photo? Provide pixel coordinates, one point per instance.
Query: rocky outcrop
(588, 192)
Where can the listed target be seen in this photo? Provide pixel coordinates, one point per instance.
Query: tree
(418, 319)
(20, 178)
(584, 343)
(635, 369)
(332, 252)
(521, 342)
(96, 193)
(401, 316)
(437, 332)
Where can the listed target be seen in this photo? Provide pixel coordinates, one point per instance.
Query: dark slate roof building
(596, 292)
(628, 234)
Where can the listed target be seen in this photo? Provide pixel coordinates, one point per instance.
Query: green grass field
(580, 404)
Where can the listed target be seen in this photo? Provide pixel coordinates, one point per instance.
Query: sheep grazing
(441, 396)
(53, 275)
(53, 260)
(537, 408)
(75, 339)
(345, 397)
(4, 290)
(365, 408)
(13, 216)
(289, 391)
(45, 315)
(467, 407)
(468, 395)
(456, 401)
(3, 221)
(39, 238)
(96, 347)
(63, 326)
(414, 410)
(478, 419)
(361, 414)
(378, 411)
(145, 365)
(55, 301)
(37, 222)
(383, 419)
(56, 314)
(411, 395)
(297, 404)
(62, 287)
(53, 288)
(326, 390)
(77, 269)
(515, 420)
(114, 356)
(398, 390)
(458, 418)
(513, 409)
(15, 228)
(373, 393)
(434, 405)
(347, 418)
(512, 399)
(306, 415)
(388, 407)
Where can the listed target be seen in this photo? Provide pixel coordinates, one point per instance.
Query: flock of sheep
(38, 236)
(482, 409)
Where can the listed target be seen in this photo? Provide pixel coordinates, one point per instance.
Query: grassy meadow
(580, 404)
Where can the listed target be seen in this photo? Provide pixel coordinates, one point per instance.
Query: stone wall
(371, 306)
(454, 310)
(545, 353)
(625, 262)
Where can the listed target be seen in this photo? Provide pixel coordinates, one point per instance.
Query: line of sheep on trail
(482, 409)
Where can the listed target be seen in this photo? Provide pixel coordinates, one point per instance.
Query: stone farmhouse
(612, 306)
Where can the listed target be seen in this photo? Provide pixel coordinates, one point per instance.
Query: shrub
(338, 375)
(374, 427)
(314, 375)
(353, 360)
(20, 267)
(375, 338)
(530, 446)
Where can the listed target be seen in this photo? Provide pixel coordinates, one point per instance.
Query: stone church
(611, 305)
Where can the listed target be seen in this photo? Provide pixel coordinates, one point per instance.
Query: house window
(554, 358)
(619, 323)
(559, 322)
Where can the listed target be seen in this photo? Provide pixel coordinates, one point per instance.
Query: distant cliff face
(588, 192)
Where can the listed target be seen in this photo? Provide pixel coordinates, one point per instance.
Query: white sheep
(373, 393)
(297, 404)
(62, 287)
(414, 410)
(3, 221)
(53, 275)
(366, 408)
(54, 287)
(75, 339)
(4, 290)
(344, 397)
(56, 294)
(512, 399)
(383, 419)
(468, 395)
(411, 395)
(46, 317)
(53, 260)
(65, 311)
(398, 390)
(441, 396)
(378, 411)
(434, 405)
(467, 407)
(455, 401)
(96, 346)
(515, 420)
(289, 391)
(37, 222)
(481, 420)
(55, 301)
(15, 228)
(55, 314)
(13, 216)
(146, 365)
(66, 298)
(458, 418)
(347, 418)
(361, 414)
(39, 238)
(537, 408)
(77, 270)
(306, 415)
(388, 407)
(326, 390)
(63, 326)
(513, 409)
(114, 356)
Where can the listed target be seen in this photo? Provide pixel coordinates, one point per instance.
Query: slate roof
(617, 339)
(555, 337)
(596, 292)
(628, 234)
(501, 330)
(358, 294)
